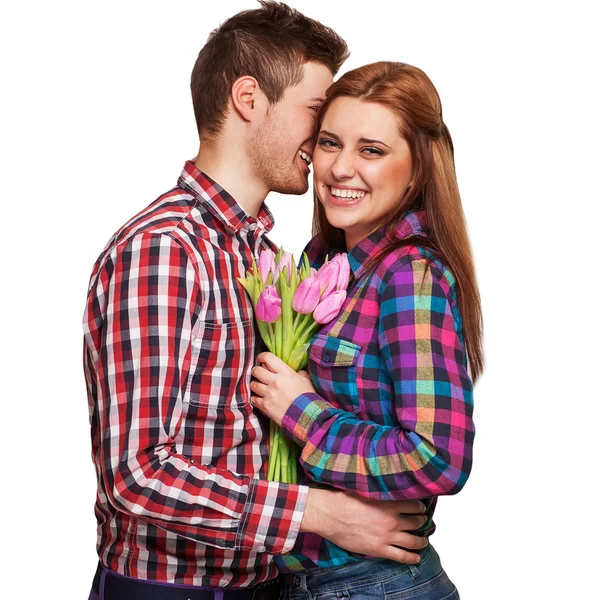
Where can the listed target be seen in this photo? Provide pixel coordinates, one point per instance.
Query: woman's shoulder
(416, 263)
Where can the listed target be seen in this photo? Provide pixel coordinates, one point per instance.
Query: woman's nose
(343, 167)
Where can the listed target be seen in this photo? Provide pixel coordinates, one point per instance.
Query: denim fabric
(377, 578)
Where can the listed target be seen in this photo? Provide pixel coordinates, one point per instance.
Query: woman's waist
(329, 578)
(314, 552)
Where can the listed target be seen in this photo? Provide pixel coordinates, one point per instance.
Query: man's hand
(372, 527)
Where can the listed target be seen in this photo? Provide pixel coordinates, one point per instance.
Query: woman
(387, 410)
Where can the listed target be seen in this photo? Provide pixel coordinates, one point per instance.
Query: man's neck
(227, 163)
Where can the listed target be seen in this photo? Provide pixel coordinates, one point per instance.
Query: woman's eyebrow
(361, 140)
(368, 141)
(333, 135)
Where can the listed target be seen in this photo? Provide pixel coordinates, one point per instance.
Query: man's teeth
(347, 193)
(307, 159)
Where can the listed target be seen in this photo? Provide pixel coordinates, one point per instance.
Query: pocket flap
(330, 351)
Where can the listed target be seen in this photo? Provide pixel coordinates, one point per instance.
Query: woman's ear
(244, 96)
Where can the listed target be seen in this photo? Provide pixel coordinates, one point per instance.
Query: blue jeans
(376, 578)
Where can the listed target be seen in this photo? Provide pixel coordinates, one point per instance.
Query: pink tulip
(328, 276)
(330, 307)
(268, 307)
(307, 296)
(344, 275)
(284, 261)
(313, 271)
(266, 263)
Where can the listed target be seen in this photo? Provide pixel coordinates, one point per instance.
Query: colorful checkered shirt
(169, 344)
(392, 416)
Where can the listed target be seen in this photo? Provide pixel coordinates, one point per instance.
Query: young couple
(178, 397)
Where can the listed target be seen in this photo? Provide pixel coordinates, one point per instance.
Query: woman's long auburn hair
(408, 93)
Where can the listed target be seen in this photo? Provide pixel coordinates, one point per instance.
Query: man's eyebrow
(361, 140)
(320, 100)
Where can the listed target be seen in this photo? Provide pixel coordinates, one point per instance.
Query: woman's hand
(277, 386)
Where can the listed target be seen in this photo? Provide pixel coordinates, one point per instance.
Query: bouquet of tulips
(290, 304)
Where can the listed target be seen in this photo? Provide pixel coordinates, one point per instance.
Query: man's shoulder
(164, 215)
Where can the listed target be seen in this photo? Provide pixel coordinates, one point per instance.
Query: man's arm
(147, 292)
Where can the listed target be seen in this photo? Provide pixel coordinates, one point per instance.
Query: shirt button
(252, 226)
(326, 357)
(261, 548)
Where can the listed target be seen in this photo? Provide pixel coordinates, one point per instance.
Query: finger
(402, 556)
(263, 375)
(411, 522)
(410, 541)
(304, 374)
(410, 507)
(270, 361)
(258, 388)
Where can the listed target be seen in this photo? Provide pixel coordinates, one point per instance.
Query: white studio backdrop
(96, 122)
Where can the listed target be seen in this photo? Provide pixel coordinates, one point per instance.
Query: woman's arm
(429, 452)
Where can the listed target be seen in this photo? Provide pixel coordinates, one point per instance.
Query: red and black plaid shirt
(169, 345)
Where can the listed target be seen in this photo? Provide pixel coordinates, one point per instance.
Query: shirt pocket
(332, 366)
(222, 356)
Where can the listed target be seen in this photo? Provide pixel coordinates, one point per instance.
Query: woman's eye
(373, 151)
(328, 143)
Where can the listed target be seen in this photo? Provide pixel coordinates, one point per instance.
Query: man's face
(286, 133)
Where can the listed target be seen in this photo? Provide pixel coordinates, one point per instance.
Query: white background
(96, 121)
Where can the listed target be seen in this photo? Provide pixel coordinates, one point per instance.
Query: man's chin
(296, 188)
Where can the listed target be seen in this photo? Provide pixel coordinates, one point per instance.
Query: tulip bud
(344, 274)
(268, 307)
(307, 296)
(284, 261)
(266, 263)
(329, 307)
(328, 277)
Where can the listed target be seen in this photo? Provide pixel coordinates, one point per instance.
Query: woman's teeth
(346, 193)
(305, 157)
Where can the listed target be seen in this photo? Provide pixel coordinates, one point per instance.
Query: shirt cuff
(272, 515)
(301, 414)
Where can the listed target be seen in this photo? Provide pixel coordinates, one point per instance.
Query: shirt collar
(413, 223)
(219, 202)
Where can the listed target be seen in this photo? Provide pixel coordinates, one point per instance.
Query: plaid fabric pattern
(169, 343)
(393, 415)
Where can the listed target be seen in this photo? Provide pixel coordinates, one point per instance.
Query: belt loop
(414, 571)
(302, 580)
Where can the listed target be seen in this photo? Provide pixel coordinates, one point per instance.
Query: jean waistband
(109, 585)
(373, 569)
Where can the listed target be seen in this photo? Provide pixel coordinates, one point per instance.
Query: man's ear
(245, 97)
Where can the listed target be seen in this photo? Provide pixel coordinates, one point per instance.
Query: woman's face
(362, 166)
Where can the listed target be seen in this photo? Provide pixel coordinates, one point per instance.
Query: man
(183, 506)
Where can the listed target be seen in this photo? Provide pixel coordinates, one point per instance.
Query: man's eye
(315, 109)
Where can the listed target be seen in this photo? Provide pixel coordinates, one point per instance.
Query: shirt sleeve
(429, 452)
(147, 294)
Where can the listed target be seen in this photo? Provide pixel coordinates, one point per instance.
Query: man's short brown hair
(271, 44)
